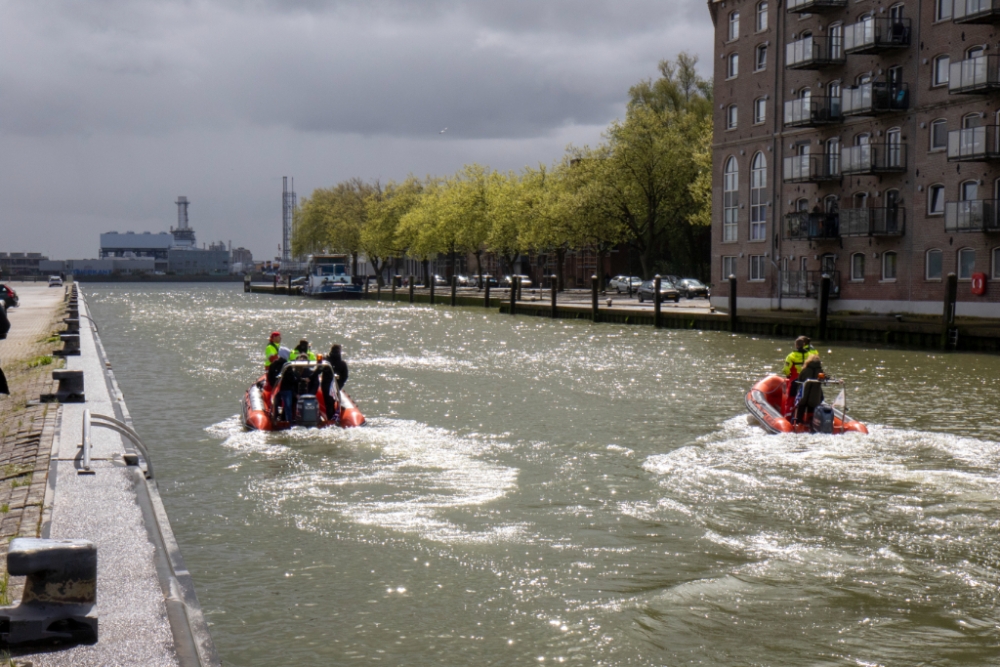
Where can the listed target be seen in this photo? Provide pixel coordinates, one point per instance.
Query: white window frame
(732, 117)
(958, 263)
(940, 74)
(886, 264)
(732, 66)
(942, 10)
(938, 122)
(927, 265)
(855, 278)
(758, 268)
(931, 189)
(730, 200)
(759, 111)
(758, 65)
(734, 26)
(758, 196)
(761, 16)
(729, 262)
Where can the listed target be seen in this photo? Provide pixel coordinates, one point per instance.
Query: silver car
(621, 283)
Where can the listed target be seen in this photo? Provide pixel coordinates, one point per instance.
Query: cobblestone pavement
(26, 431)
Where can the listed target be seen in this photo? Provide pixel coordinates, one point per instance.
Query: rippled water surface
(536, 492)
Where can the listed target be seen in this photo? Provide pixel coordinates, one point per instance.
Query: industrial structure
(288, 204)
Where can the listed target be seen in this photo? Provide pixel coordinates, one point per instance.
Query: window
(760, 62)
(734, 66)
(858, 267)
(759, 110)
(731, 117)
(833, 156)
(975, 52)
(966, 263)
(888, 266)
(761, 16)
(896, 13)
(939, 134)
(894, 75)
(758, 268)
(836, 37)
(932, 264)
(942, 10)
(935, 200)
(758, 192)
(730, 200)
(728, 267)
(941, 68)
(972, 120)
(734, 26)
(969, 191)
(996, 263)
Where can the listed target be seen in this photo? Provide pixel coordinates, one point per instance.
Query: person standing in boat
(271, 351)
(797, 358)
(284, 396)
(339, 368)
(809, 395)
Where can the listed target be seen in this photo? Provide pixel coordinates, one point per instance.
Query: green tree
(385, 209)
(679, 89)
(331, 220)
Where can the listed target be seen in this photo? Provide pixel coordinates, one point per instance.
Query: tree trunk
(354, 263)
(427, 271)
(479, 267)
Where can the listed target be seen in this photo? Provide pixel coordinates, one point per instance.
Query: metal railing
(806, 284)
(876, 97)
(797, 6)
(875, 34)
(90, 420)
(812, 168)
(976, 11)
(974, 75)
(812, 111)
(873, 159)
(814, 53)
(807, 225)
(974, 144)
(976, 215)
(884, 221)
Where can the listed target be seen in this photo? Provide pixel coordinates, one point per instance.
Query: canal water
(532, 491)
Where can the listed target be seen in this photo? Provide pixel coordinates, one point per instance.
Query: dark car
(692, 287)
(9, 296)
(667, 291)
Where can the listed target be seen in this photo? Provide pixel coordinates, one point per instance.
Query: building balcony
(976, 11)
(813, 168)
(974, 144)
(974, 76)
(807, 284)
(976, 215)
(804, 6)
(872, 99)
(887, 221)
(811, 226)
(812, 112)
(814, 53)
(877, 35)
(873, 159)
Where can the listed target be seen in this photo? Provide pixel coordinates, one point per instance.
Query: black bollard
(948, 314)
(366, 286)
(432, 289)
(513, 295)
(593, 298)
(486, 301)
(411, 288)
(289, 284)
(275, 283)
(454, 290)
(732, 303)
(656, 301)
(555, 288)
(824, 304)
(378, 291)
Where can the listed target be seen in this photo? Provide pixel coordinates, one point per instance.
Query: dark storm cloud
(109, 109)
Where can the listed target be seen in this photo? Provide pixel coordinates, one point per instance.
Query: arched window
(966, 263)
(972, 120)
(758, 194)
(831, 204)
(933, 264)
(734, 26)
(896, 13)
(730, 200)
(858, 267)
(761, 16)
(977, 51)
(889, 266)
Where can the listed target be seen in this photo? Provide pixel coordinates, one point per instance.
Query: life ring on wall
(979, 284)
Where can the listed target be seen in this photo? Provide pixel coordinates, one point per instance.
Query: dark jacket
(4, 322)
(339, 367)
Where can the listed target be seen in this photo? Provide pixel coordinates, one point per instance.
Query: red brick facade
(853, 186)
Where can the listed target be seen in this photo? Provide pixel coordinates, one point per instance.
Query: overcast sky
(110, 109)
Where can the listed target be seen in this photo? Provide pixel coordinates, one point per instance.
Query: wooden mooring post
(594, 316)
(824, 304)
(411, 288)
(949, 334)
(514, 280)
(486, 301)
(555, 287)
(657, 301)
(732, 303)
(454, 291)
(432, 281)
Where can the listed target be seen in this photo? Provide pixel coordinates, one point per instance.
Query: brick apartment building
(857, 138)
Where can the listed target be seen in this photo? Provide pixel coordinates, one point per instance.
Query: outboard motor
(307, 411)
(822, 419)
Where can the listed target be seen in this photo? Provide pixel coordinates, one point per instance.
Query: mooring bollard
(732, 303)
(486, 301)
(948, 330)
(555, 288)
(411, 287)
(71, 345)
(824, 304)
(432, 281)
(289, 283)
(394, 288)
(246, 282)
(454, 290)
(70, 389)
(657, 300)
(275, 287)
(513, 294)
(593, 298)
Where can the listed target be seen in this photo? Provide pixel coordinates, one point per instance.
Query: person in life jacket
(271, 351)
(796, 359)
(303, 353)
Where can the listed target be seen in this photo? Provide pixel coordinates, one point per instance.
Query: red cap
(275, 334)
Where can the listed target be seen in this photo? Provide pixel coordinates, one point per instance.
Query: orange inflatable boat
(780, 409)
(260, 413)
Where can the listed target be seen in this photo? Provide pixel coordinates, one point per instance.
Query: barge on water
(329, 277)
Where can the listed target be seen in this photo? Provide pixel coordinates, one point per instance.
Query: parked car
(9, 296)
(55, 281)
(491, 281)
(621, 283)
(667, 291)
(507, 280)
(692, 287)
(440, 280)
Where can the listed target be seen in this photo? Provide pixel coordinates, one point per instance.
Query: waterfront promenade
(147, 610)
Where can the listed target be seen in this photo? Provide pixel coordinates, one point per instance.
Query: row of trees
(647, 185)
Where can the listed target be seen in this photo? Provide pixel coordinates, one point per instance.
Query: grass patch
(54, 338)
(4, 508)
(40, 360)
(5, 597)
(21, 481)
